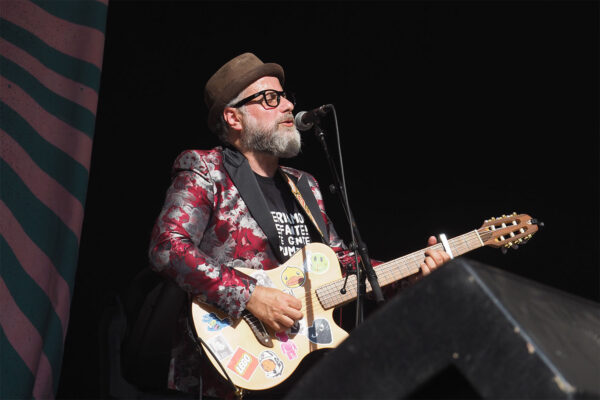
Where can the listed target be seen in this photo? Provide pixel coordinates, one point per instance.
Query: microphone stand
(357, 243)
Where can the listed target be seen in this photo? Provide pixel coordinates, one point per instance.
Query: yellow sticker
(293, 277)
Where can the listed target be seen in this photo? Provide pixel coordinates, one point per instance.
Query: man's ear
(232, 118)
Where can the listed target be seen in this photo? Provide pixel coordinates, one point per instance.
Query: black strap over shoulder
(241, 174)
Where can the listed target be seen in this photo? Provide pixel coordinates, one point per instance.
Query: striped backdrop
(50, 63)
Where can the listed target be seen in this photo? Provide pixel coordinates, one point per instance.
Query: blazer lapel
(242, 176)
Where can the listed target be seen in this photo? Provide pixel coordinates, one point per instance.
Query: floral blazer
(215, 218)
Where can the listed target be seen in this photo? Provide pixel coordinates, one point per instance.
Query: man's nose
(286, 105)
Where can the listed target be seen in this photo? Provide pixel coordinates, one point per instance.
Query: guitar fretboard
(330, 296)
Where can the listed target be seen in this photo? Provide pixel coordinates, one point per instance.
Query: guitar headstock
(508, 231)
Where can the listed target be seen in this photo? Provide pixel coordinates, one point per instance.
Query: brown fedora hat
(231, 79)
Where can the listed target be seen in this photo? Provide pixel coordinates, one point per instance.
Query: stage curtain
(50, 68)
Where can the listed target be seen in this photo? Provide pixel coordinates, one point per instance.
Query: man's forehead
(266, 82)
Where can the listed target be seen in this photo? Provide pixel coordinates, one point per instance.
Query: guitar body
(261, 361)
(253, 365)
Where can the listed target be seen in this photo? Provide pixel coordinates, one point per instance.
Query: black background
(449, 113)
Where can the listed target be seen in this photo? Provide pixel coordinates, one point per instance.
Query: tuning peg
(537, 222)
(504, 250)
(515, 247)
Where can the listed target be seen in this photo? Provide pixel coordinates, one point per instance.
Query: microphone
(306, 119)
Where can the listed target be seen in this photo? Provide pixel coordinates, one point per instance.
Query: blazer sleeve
(177, 235)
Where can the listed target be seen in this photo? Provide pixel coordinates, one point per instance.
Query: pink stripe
(62, 135)
(43, 186)
(37, 265)
(75, 40)
(65, 87)
(27, 342)
(105, 2)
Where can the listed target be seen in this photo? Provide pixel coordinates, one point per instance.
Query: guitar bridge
(258, 329)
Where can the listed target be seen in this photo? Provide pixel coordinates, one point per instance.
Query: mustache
(285, 117)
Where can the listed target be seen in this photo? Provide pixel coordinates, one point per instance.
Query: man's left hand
(433, 258)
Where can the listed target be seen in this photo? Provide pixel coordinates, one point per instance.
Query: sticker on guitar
(288, 347)
(262, 279)
(293, 277)
(320, 332)
(214, 323)
(270, 364)
(220, 347)
(243, 363)
(316, 263)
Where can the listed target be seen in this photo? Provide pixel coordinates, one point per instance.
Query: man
(235, 206)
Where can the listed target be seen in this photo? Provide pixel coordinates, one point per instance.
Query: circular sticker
(293, 277)
(270, 364)
(318, 263)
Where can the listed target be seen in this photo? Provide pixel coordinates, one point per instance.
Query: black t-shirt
(293, 226)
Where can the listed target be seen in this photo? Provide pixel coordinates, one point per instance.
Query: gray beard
(275, 141)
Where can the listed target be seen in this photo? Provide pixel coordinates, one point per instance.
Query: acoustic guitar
(254, 357)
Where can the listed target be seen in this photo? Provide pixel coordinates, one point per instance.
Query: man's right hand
(273, 307)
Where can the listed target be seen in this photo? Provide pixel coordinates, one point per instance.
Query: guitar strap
(301, 201)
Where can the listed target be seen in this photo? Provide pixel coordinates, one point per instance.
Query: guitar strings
(396, 268)
(328, 295)
(390, 270)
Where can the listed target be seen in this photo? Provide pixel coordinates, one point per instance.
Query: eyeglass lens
(273, 97)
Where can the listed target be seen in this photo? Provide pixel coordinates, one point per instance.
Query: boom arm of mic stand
(360, 245)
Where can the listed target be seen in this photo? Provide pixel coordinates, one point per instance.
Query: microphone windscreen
(300, 125)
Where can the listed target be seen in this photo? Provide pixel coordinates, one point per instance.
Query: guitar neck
(392, 271)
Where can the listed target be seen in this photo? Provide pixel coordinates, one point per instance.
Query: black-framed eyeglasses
(271, 97)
